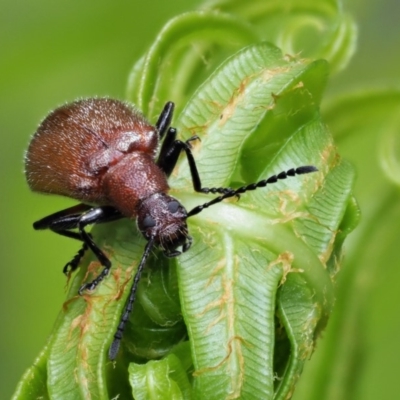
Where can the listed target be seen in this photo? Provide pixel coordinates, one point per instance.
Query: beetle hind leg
(73, 265)
(78, 217)
(96, 215)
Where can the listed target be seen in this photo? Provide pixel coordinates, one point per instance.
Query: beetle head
(163, 218)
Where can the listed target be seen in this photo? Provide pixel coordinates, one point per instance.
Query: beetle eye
(173, 206)
(148, 222)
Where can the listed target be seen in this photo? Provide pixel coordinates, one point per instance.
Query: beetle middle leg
(169, 153)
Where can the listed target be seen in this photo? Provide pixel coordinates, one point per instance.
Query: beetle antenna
(112, 353)
(253, 186)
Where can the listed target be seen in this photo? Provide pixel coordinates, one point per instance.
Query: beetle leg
(72, 265)
(169, 153)
(93, 216)
(60, 222)
(78, 217)
(63, 220)
(165, 118)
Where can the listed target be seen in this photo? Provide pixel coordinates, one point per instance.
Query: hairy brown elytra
(104, 152)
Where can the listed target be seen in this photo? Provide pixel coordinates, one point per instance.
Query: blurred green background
(53, 52)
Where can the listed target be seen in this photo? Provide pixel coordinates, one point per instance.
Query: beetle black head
(163, 218)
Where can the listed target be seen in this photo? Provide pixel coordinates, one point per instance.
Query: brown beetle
(104, 152)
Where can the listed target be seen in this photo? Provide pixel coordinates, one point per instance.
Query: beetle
(103, 152)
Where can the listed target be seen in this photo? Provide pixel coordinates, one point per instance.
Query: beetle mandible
(103, 152)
